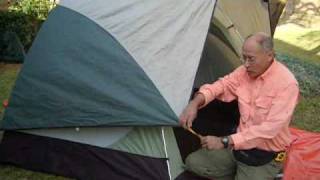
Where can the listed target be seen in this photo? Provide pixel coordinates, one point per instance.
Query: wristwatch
(225, 141)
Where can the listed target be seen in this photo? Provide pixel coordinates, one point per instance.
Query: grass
(307, 114)
(8, 74)
(13, 173)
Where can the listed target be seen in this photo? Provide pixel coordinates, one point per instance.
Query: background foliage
(25, 17)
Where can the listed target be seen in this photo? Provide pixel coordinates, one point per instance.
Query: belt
(280, 156)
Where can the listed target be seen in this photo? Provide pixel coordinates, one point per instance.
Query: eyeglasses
(248, 60)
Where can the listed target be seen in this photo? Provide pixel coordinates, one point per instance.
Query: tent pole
(166, 152)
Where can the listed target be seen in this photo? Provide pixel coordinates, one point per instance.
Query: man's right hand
(190, 112)
(188, 115)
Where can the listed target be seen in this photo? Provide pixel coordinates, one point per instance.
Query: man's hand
(190, 112)
(188, 115)
(211, 142)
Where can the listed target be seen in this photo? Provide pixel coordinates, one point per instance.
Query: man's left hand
(211, 142)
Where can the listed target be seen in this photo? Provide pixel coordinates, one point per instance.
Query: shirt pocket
(263, 105)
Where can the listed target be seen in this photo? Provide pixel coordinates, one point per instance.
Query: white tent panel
(102, 137)
(165, 37)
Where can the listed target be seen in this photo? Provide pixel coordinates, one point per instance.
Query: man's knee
(209, 164)
(267, 171)
(193, 161)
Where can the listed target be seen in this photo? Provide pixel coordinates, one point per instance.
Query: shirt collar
(270, 69)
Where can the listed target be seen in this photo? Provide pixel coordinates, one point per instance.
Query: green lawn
(13, 173)
(8, 74)
(307, 114)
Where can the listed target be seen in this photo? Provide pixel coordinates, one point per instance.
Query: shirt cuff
(207, 95)
(238, 140)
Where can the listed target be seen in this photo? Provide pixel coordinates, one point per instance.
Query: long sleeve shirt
(266, 105)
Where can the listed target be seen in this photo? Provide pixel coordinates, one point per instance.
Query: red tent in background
(303, 159)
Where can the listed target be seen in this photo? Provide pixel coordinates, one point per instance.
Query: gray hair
(263, 39)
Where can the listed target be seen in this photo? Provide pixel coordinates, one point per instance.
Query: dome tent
(104, 83)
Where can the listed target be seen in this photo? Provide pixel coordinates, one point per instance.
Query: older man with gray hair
(267, 93)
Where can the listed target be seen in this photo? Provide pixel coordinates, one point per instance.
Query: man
(267, 93)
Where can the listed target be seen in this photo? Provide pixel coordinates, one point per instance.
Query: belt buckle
(281, 156)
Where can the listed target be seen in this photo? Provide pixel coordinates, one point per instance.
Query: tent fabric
(71, 159)
(214, 56)
(254, 18)
(162, 36)
(151, 141)
(100, 70)
(101, 86)
(102, 137)
(145, 141)
(303, 156)
(225, 23)
(275, 10)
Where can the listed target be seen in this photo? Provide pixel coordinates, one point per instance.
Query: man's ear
(270, 55)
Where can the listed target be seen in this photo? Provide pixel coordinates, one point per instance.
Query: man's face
(255, 59)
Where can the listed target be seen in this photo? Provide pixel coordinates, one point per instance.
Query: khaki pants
(220, 164)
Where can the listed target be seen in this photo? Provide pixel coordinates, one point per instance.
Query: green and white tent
(104, 83)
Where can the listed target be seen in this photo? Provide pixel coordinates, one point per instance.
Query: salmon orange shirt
(266, 105)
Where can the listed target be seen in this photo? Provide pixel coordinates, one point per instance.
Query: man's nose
(246, 64)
